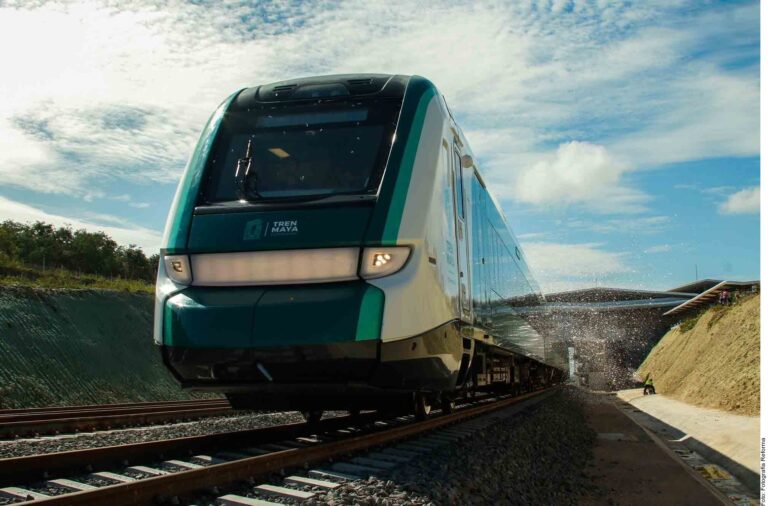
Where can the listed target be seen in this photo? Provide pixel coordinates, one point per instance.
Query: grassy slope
(18, 275)
(715, 363)
(79, 346)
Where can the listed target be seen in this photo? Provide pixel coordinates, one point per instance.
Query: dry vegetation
(712, 359)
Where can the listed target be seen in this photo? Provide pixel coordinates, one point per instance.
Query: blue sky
(622, 138)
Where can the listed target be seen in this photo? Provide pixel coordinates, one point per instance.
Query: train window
(459, 184)
(301, 150)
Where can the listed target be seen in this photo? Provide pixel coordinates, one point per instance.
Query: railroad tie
(413, 448)
(232, 455)
(303, 480)
(360, 470)
(400, 453)
(424, 447)
(381, 464)
(147, 470)
(290, 493)
(446, 437)
(208, 459)
(434, 440)
(239, 500)
(70, 485)
(106, 475)
(292, 444)
(276, 447)
(183, 464)
(21, 493)
(256, 451)
(400, 459)
(457, 431)
(327, 474)
(309, 440)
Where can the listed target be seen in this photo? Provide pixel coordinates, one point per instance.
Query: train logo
(285, 227)
(253, 230)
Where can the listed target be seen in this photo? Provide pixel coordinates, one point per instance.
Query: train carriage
(333, 245)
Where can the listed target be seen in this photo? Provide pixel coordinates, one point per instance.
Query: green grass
(717, 310)
(18, 275)
(688, 324)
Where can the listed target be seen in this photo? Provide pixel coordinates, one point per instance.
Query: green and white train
(333, 245)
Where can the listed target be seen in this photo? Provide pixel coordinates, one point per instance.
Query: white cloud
(122, 232)
(119, 95)
(720, 191)
(558, 266)
(628, 225)
(577, 173)
(660, 248)
(746, 201)
(531, 236)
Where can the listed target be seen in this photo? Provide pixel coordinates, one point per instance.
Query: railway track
(235, 457)
(37, 421)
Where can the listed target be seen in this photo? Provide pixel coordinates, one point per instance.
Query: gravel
(212, 425)
(538, 456)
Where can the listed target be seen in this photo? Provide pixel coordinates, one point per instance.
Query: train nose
(294, 332)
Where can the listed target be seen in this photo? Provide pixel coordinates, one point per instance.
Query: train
(333, 245)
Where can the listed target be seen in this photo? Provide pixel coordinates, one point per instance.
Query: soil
(712, 361)
(69, 347)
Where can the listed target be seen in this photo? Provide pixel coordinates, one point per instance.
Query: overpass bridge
(612, 330)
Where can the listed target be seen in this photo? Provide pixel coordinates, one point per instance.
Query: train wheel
(447, 405)
(421, 407)
(312, 417)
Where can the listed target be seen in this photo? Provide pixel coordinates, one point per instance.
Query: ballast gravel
(538, 456)
(535, 457)
(212, 425)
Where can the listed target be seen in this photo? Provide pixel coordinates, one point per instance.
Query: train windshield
(301, 151)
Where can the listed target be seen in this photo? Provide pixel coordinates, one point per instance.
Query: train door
(462, 240)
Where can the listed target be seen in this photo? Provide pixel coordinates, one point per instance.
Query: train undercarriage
(483, 370)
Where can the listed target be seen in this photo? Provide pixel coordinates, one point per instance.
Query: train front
(262, 289)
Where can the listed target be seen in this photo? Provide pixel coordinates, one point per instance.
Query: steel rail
(31, 468)
(88, 407)
(183, 483)
(40, 423)
(45, 415)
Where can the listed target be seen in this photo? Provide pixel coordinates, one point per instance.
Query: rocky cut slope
(712, 360)
(60, 347)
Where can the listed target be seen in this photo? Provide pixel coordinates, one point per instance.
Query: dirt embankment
(713, 361)
(61, 347)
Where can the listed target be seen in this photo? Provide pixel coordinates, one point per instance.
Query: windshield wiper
(243, 173)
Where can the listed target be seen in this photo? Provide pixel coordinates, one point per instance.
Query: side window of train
(446, 156)
(459, 183)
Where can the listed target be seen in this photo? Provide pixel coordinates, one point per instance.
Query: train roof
(340, 85)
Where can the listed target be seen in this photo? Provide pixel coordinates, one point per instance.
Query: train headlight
(379, 262)
(177, 268)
